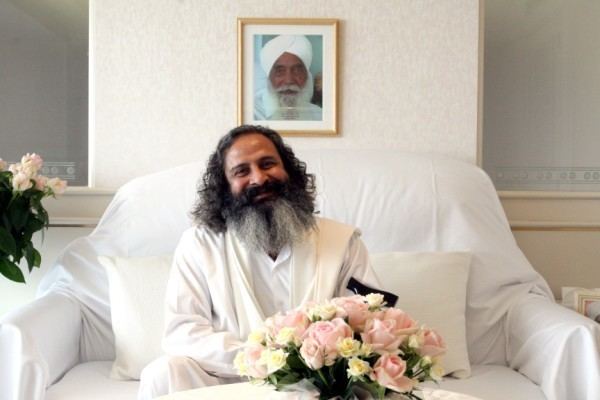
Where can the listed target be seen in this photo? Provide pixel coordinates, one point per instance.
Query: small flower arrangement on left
(21, 212)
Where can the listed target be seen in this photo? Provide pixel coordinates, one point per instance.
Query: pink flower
(389, 371)
(292, 319)
(381, 335)
(433, 344)
(21, 182)
(327, 334)
(3, 165)
(312, 353)
(254, 368)
(40, 182)
(404, 325)
(355, 308)
(31, 163)
(57, 186)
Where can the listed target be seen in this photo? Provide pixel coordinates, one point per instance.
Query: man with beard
(286, 60)
(257, 248)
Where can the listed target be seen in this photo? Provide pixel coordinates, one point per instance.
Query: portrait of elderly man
(286, 61)
(257, 248)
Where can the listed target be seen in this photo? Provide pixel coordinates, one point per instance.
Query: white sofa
(521, 344)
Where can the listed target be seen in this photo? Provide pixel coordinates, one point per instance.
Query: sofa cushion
(137, 288)
(90, 381)
(432, 288)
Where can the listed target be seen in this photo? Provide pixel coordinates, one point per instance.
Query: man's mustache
(249, 194)
(291, 87)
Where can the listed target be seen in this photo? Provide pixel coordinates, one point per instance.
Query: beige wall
(164, 77)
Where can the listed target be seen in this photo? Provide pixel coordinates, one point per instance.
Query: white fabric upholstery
(432, 288)
(137, 287)
(487, 382)
(401, 202)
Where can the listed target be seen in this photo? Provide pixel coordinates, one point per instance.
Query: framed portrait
(588, 304)
(287, 75)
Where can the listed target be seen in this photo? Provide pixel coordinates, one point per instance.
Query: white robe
(212, 305)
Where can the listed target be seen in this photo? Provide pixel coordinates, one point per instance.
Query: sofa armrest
(555, 347)
(39, 342)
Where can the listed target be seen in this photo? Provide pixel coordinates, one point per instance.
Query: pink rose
(404, 325)
(292, 319)
(40, 182)
(389, 371)
(433, 344)
(381, 335)
(327, 334)
(31, 163)
(21, 182)
(57, 186)
(355, 308)
(252, 356)
(312, 353)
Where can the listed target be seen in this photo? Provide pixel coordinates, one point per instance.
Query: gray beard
(269, 227)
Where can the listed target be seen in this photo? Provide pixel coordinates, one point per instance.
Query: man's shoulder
(330, 225)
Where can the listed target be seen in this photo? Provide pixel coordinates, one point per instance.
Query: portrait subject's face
(251, 161)
(288, 70)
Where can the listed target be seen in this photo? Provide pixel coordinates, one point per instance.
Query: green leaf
(37, 258)
(11, 271)
(7, 242)
(18, 212)
(33, 257)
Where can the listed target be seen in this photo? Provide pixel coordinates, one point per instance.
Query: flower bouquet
(346, 348)
(21, 212)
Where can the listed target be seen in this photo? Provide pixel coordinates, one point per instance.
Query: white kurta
(218, 292)
(208, 317)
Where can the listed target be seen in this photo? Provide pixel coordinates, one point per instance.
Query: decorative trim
(73, 222)
(555, 226)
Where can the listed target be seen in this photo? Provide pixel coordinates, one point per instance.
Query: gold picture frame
(276, 87)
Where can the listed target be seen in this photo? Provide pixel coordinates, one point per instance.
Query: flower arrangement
(344, 348)
(21, 212)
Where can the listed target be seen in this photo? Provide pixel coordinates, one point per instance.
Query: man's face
(288, 70)
(250, 162)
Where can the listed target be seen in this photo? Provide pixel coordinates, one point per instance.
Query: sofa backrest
(400, 202)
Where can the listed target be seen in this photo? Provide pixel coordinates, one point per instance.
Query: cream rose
(348, 347)
(358, 367)
(374, 300)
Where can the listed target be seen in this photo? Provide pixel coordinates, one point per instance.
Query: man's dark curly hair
(214, 190)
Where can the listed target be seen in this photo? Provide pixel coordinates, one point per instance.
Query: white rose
(256, 337)
(415, 341)
(437, 371)
(3, 165)
(322, 312)
(366, 350)
(273, 359)
(375, 300)
(21, 182)
(425, 361)
(358, 367)
(285, 336)
(348, 347)
(239, 362)
(56, 186)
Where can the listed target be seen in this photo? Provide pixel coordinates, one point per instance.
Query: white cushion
(432, 288)
(137, 290)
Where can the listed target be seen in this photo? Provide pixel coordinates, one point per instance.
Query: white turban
(297, 45)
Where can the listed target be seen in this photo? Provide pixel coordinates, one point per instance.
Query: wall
(163, 88)
(165, 77)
